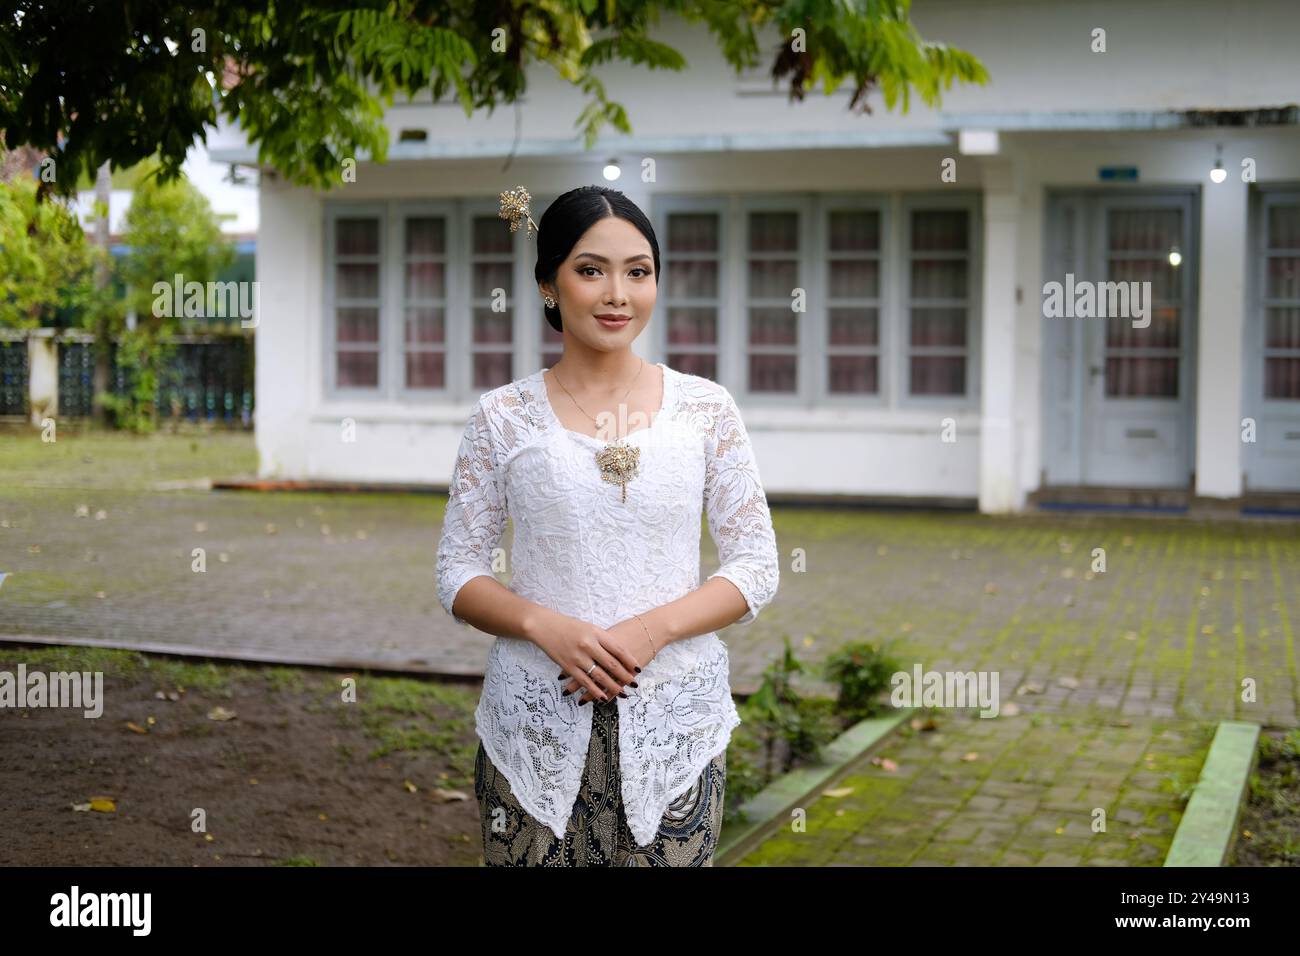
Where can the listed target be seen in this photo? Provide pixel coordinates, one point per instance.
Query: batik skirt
(597, 833)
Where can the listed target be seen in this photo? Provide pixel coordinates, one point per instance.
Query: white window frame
(468, 211)
(332, 213)
(825, 204)
(456, 300)
(807, 324)
(392, 216)
(1267, 198)
(662, 208)
(971, 202)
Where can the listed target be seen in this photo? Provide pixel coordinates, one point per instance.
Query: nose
(616, 296)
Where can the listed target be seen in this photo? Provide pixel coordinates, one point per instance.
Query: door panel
(1119, 373)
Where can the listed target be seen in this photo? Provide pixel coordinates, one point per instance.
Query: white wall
(1161, 56)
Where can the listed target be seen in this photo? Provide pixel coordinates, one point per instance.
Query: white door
(1273, 346)
(1127, 354)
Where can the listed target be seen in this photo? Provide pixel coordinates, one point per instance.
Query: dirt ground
(296, 777)
(1268, 832)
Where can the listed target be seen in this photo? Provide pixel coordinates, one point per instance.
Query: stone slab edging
(771, 807)
(1209, 825)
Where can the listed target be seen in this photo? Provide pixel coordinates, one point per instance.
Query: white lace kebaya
(581, 550)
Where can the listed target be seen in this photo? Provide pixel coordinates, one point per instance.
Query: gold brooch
(618, 464)
(514, 207)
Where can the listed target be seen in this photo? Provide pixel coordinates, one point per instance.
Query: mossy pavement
(1117, 675)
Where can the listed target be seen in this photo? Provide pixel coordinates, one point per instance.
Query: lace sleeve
(476, 512)
(739, 519)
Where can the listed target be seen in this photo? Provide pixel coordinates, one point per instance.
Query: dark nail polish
(632, 684)
(581, 702)
(566, 693)
(561, 677)
(638, 670)
(623, 695)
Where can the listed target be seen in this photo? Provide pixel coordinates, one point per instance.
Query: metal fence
(14, 388)
(205, 378)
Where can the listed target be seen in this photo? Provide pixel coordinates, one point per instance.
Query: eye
(582, 270)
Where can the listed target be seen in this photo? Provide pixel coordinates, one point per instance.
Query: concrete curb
(1208, 828)
(771, 807)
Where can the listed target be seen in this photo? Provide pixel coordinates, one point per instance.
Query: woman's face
(610, 271)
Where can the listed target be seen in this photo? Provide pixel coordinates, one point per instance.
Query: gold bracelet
(647, 633)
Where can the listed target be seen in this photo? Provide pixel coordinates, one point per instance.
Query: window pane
(938, 375)
(772, 373)
(491, 369)
(694, 280)
(1163, 332)
(491, 327)
(1283, 277)
(770, 279)
(357, 369)
(489, 276)
(1282, 378)
(1284, 227)
(1141, 377)
(426, 236)
(854, 327)
(1144, 230)
(1162, 276)
(491, 235)
(854, 231)
(1283, 329)
(693, 232)
(855, 279)
(940, 229)
(939, 279)
(425, 280)
(357, 280)
(695, 364)
(772, 327)
(425, 369)
(773, 231)
(357, 325)
(853, 374)
(356, 237)
(939, 327)
(425, 325)
(688, 326)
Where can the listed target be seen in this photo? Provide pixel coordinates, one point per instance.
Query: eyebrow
(592, 255)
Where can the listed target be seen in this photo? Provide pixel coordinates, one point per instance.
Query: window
(358, 304)
(772, 274)
(424, 301)
(1282, 299)
(853, 266)
(1143, 363)
(938, 303)
(492, 290)
(838, 299)
(420, 299)
(691, 291)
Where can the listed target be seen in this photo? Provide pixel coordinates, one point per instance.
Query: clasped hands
(619, 653)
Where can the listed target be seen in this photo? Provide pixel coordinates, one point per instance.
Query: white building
(924, 365)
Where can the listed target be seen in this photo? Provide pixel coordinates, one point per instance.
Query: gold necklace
(618, 461)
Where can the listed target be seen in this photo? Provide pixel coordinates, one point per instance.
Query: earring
(550, 303)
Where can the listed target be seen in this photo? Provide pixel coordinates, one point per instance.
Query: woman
(606, 706)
